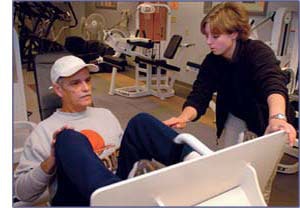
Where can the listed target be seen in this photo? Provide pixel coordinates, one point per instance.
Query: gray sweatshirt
(30, 180)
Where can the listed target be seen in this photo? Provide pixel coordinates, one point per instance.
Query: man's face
(75, 91)
(221, 44)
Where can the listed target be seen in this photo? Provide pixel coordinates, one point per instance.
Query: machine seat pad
(148, 45)
(115, 60)
(194, 65)
(145, 60)
(169, 67)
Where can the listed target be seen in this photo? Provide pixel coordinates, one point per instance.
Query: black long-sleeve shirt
(243, 85)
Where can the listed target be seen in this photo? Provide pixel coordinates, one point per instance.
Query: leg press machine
(235, 176)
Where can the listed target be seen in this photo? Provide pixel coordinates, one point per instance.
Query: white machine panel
(233, 176)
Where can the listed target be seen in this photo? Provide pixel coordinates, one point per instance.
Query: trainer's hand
(277, 124)
(176, 122)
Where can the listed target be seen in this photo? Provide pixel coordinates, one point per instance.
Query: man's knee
(68, 141)
(69, 137)
(68, 134)
(142, 118)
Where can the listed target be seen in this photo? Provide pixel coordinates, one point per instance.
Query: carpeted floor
(125, 108)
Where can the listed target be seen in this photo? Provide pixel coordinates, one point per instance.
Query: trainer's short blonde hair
(227, 18)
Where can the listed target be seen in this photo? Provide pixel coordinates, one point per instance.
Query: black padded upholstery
(145, 60)
(194, 65)
(86, 50)
(169, 67)
(172, 47)
(148, 45)
(169, 53)
(48, 101)
(115, 60)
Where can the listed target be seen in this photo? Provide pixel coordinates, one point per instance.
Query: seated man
(59, 153)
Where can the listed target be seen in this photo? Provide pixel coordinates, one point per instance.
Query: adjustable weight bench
(160, 71)
(147, 69)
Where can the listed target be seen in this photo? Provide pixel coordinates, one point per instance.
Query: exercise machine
(148, 69)
(34, 22)
(234, 176)
(125, 46)
(153, 75)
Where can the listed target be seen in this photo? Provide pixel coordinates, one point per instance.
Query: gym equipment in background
(92, 27)
(34, 22)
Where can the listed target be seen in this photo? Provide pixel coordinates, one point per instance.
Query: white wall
(186, 22)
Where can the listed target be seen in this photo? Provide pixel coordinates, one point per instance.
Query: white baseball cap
(69, 65)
